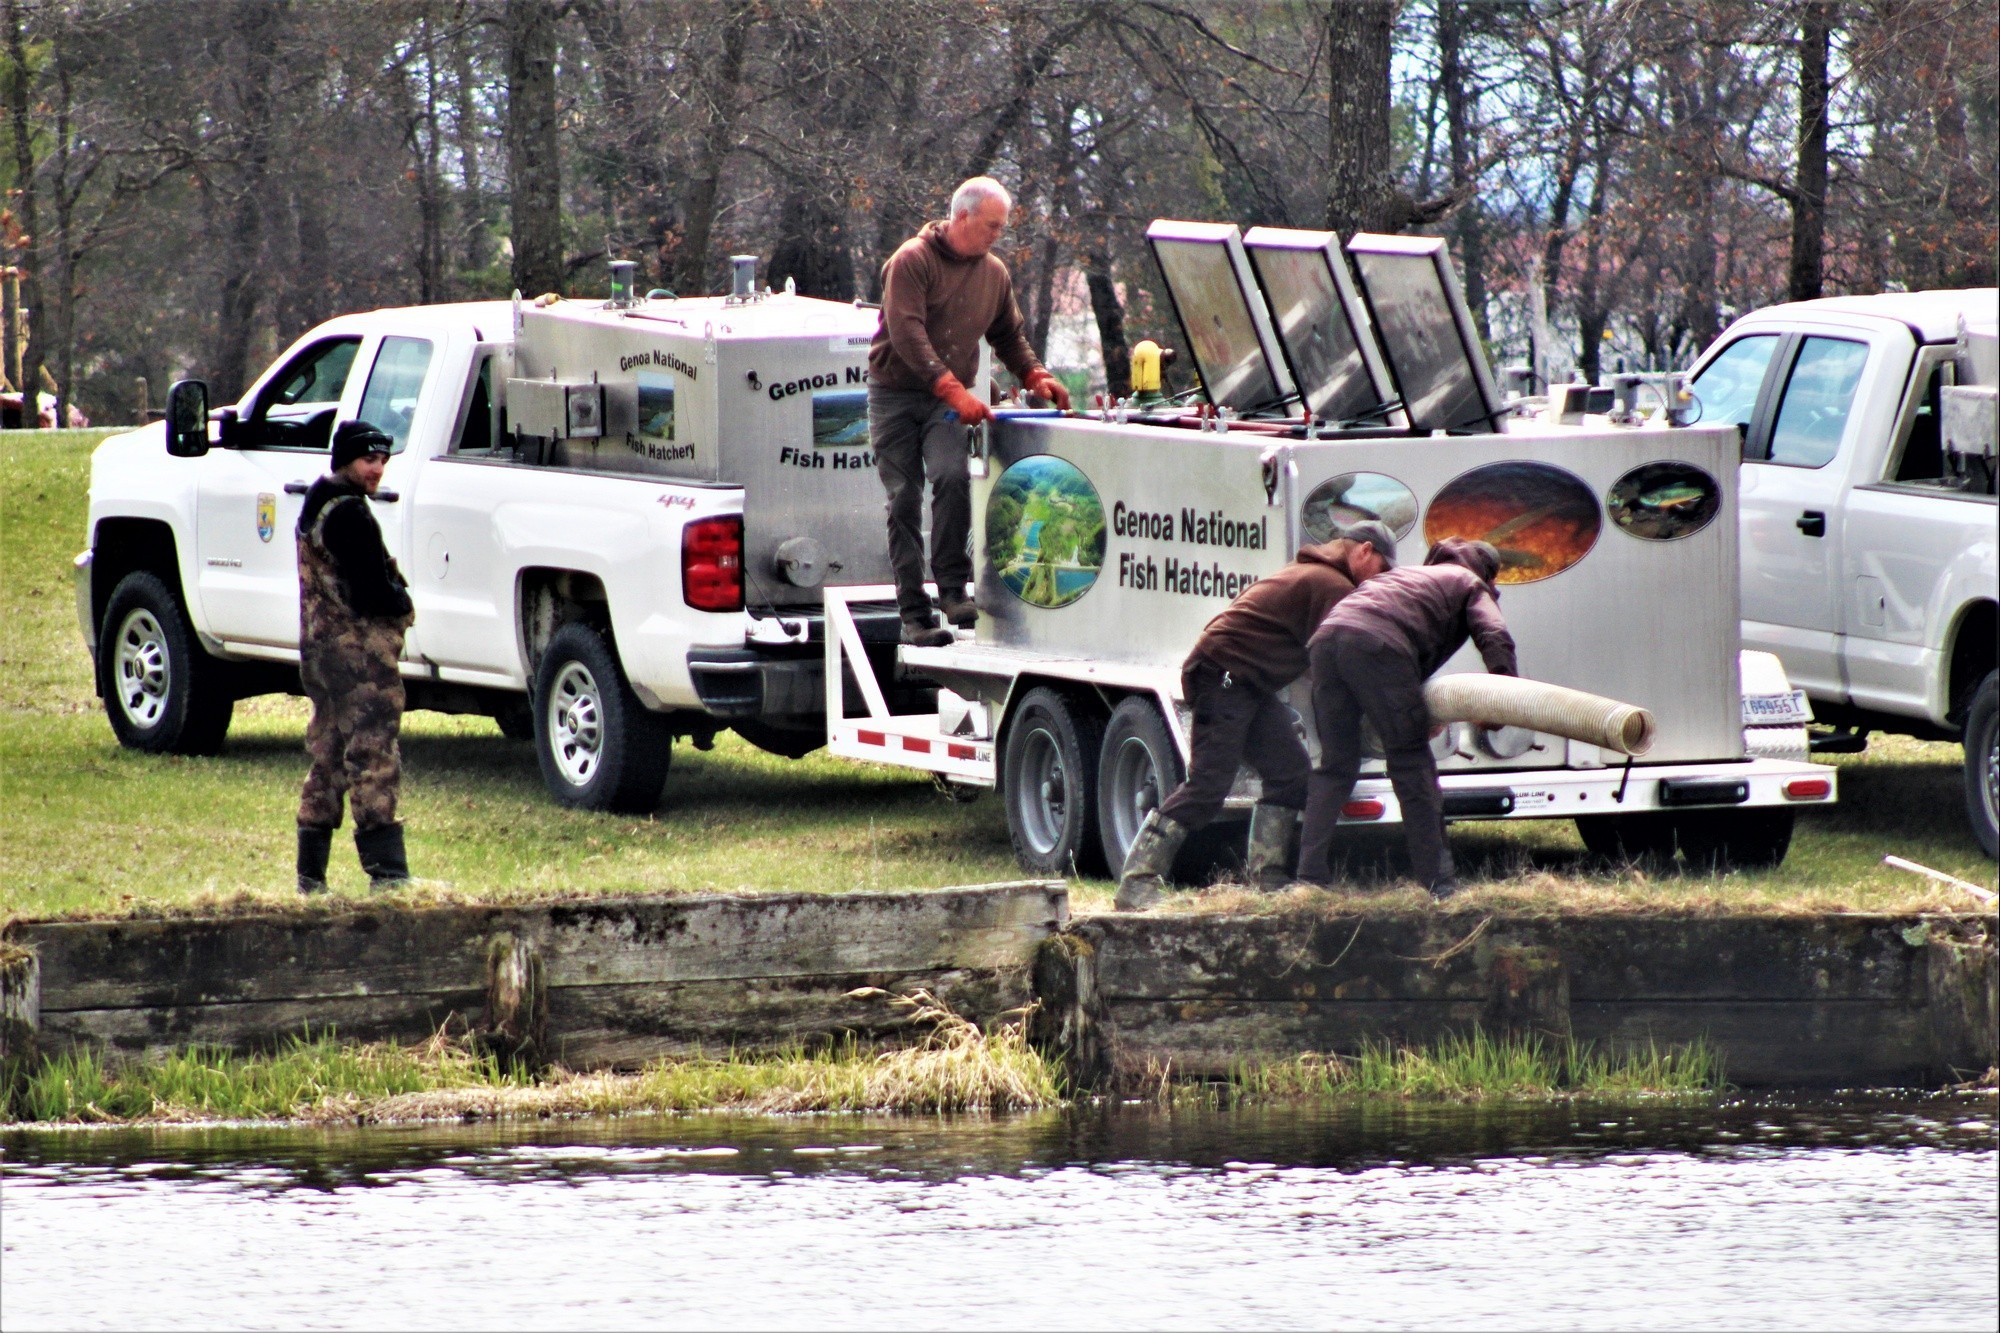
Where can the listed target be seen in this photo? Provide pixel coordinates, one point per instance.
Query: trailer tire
(1643, 837)
(162, 692)
(1049, 773)
(1982, 763)
(1717, 840)
(599, 747)
(1139, 766)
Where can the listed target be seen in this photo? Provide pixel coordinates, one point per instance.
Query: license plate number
(1776, 710)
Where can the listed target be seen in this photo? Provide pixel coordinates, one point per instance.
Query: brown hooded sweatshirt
(1429, 610)
(1260, 638)
(936, 306)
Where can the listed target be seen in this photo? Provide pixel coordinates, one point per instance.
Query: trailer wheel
(1049, 773)
(162, 692)
(1714, 840)
(1642, 837)
(1982, 763)
(600, 748)
(1139, 766)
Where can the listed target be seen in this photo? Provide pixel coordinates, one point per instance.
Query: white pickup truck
(1868, 513)
(620, 595)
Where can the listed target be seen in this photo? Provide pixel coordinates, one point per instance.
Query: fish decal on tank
(1356, 497)
(1045, 531)
(1542, 519)
(1664, 500)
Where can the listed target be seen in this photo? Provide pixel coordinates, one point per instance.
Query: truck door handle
(1812, 523)
(297, 487)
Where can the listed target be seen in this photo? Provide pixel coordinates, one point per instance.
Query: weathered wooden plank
(594, 1027)
(1827, 1043)
(385, 951)
(261, 1025)
(1209, 1038)
(1425, 957)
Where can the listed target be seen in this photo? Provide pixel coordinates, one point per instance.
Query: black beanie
(356, 438)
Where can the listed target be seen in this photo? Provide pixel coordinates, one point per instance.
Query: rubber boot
(1266, 863)
(961, 611)
(382, 856)
(1143, 880)
(925, 633)
(315, 846)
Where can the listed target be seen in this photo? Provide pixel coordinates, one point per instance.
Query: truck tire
(1049, 773)
(600, 748)
(1644, 836)
(1715, 840)
(163, 693)
(1982, 763)
(1138, 766)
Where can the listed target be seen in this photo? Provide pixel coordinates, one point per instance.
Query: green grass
(1478, 1067)
(87, 828)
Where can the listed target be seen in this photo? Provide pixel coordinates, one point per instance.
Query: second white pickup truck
(1868, 513)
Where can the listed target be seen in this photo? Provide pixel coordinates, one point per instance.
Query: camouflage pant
(357, 699)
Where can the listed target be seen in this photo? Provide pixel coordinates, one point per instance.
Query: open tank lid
(1221, 313)
(1322, 325)
(1434, 351)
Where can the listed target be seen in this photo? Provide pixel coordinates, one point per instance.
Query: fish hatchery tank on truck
(1337, 384)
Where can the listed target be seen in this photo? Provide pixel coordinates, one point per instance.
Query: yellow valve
(1145, 367)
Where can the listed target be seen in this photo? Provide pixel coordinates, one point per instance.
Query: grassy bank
(92, 829)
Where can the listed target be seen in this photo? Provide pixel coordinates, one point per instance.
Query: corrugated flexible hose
(1539, 706)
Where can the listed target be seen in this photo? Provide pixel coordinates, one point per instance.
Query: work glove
(1049, 387)
(970, 410)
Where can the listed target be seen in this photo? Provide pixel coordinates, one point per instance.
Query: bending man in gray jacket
(1371, 657)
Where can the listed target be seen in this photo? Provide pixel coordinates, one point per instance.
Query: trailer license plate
(1776, 710)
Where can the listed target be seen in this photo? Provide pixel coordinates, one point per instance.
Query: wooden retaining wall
(592, 984)
(1800, 1001)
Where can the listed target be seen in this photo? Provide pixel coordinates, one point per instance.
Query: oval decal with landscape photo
(1045, 531)
(1542, 519)
(1664, 500)
(1355, 497)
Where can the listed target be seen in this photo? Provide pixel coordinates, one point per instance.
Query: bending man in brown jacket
(1371, 658)
(1246, 655)
(942, 291)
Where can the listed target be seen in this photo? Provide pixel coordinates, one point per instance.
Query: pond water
(1844, 1213)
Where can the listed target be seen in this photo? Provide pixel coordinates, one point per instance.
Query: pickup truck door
(1795, 464)
(250, 493)
(401, 398)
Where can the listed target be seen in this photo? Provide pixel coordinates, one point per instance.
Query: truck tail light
(1808, 789)
(712, 563)
(1362, 809)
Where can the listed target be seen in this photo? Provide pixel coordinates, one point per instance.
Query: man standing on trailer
(1246, 655)
(353, 610)
(942, 291)
(1370, 658)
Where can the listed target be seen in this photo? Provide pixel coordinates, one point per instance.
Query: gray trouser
(912, 439)
(1353, 675)
(1234, 723)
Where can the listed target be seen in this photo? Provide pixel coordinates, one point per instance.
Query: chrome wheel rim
(1992, 783)
(1135, 792)
(142, 669)
(1042, 798)
(576, 724)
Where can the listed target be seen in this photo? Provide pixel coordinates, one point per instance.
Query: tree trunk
(477, 242)
(705, 186)
(242, 284)
(29, 294)
(1809, 180)
(1360, 192)
(1110, 321)
(1468, 227)
(812, 247)
(534, 171)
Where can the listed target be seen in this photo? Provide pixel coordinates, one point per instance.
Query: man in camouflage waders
(353, 610)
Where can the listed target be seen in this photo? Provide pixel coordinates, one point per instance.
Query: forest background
(190, 184)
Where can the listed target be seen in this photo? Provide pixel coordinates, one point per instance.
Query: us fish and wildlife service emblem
(267, 516)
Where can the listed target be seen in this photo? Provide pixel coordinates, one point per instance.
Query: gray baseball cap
(1376, 533)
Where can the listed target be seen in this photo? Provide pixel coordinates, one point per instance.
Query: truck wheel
(1714, 840)
(1049, 772)
(600, 748)
(162, 692)
(1140, 765)
(1645, 836)
(1982, 763)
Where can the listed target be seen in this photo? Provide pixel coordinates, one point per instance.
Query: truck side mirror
(187, 419)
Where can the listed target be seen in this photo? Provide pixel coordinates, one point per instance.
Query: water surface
(1851, 1213)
